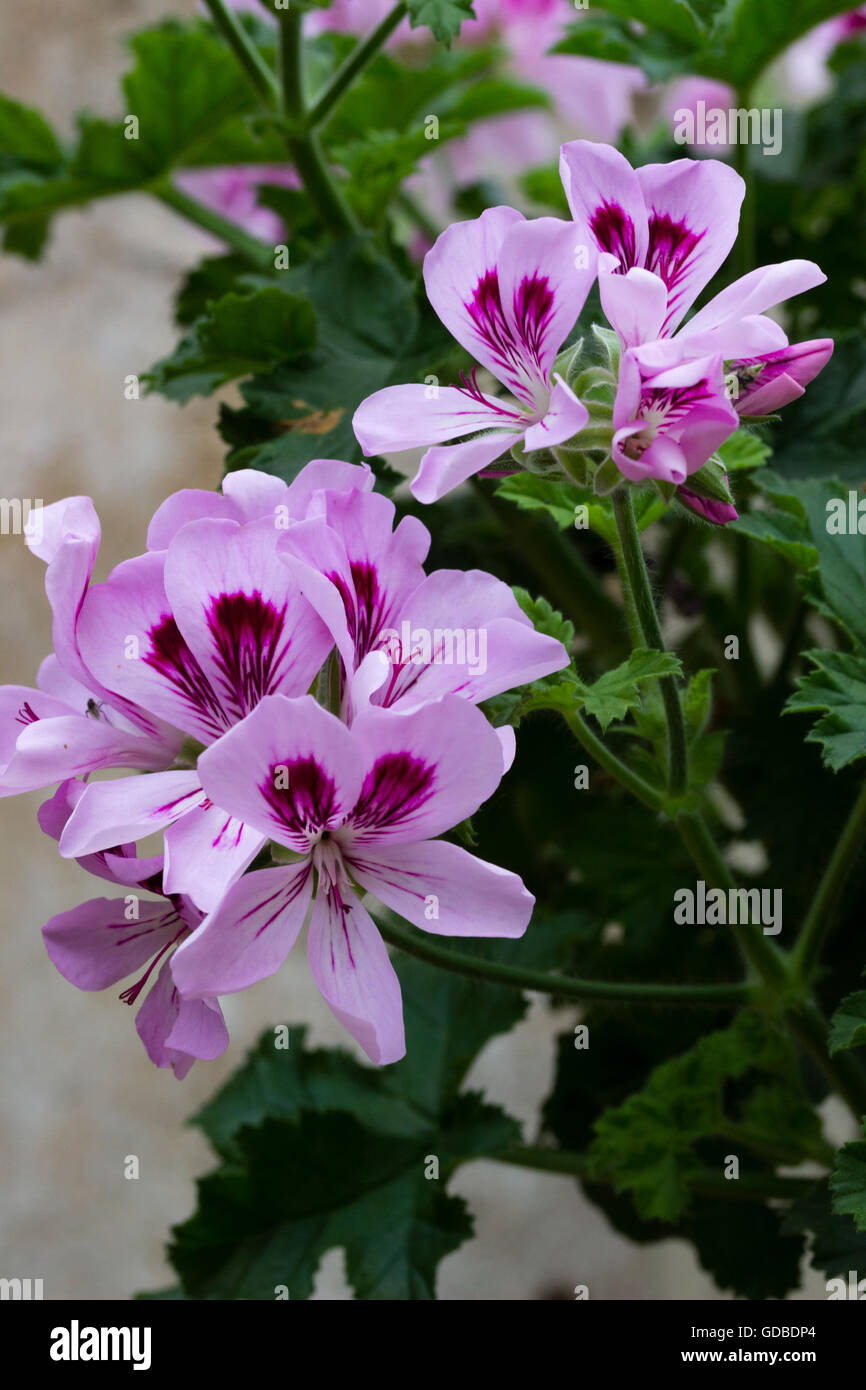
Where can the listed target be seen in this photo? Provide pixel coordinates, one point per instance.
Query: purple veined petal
(205, 852)
(132, 643)
(565, 416)
(634, 303)
(163, 1015)
(249, 629)
(443, 889)
(120, 864)
(70, 542)
(693, 209)
(606, 202)
(350, 965)
(406, 417)
(21, 705)
(189, 504)
(290, 770)
(199, 1029)
(112, 813)
(315, 558)
(508, 743)
(753, 293)
(493, 649)
(426, 770)
(782, 378)
(544, 276)
(680, 417)
(73, 745)
(461, 277)
(97, 944)
(248, 936)
(447, 466)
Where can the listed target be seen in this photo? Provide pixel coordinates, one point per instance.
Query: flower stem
(610, 762)
(819, 918)
(249, 57)
(639, 591)
(362, 54)
(303, 144)
(256, 252)
(750, 1187)
(569, 987)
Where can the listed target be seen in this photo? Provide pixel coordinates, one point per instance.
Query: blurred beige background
(77, 1094)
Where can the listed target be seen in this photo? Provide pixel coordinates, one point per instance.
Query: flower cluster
(286, 685)
(511, 290)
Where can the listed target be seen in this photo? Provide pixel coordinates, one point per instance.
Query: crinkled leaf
(442, 17)
(848, 1183)
(617, 692)
(848, 1024)
(837, 685)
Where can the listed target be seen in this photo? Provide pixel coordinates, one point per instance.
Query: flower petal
(606, 202)
(752, 294)
(565, 416)
(634, 303)
(112, 813)
(97, 944)
(289, 770)
(407, 417)
(443, 889)
(248, 936)
(205, 851)
(446, 467)
(175, 1031)
(350, 965)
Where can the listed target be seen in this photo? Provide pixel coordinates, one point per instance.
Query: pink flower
(366, 582)
(71, 724)
(360, 808)
(708, 508)
(105, 939)
(509, 291)
(670, 413)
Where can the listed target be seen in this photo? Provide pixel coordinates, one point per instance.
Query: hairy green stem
(610, 762)
(303, 144)
(362, 54)
(567, 986)
(249, 57)
(635, 570)
(260, 256)
(820, 916)
(755, 1187)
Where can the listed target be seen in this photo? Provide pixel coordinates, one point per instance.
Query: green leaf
(372, 332)
(239, 334)
(838, 687)
(617, 692)
(743, 450)
(530, 493)
(647, 1144)
(544, 617)
(837, 1247)
(697, 702)
(26, 138)
(848, 1183)
(442, 17)
(848, 1024)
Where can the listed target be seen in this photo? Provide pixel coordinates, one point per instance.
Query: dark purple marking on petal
(517, 358)
(172, 659)
(193, 797)
(342, 910)
(25, 715)
(672, 247)
(130, 994)
(308, 803)
(284, 896)
(613, 229)
(395, 788)
(223, 838)
(366, 604)
(251, 648)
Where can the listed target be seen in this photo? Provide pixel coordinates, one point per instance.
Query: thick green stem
(640, 593)
(567, 986)
(752, 1187)
(358, 59)
(303, 144)
(260, 256)
(610, 762)
(249, 57)
(820, 916)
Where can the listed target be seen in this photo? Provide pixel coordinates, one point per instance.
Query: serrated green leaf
(617, 692)
(848, 1183)
(238, 335)
(838, 687)
(545, 618)
(443, 18)
(848, 1024)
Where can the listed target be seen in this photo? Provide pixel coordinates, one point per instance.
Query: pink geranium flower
(662, 232)
(359, 808)
(510, 292)
(104, 940)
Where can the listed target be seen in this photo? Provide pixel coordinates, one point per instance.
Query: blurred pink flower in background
(233, 191)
